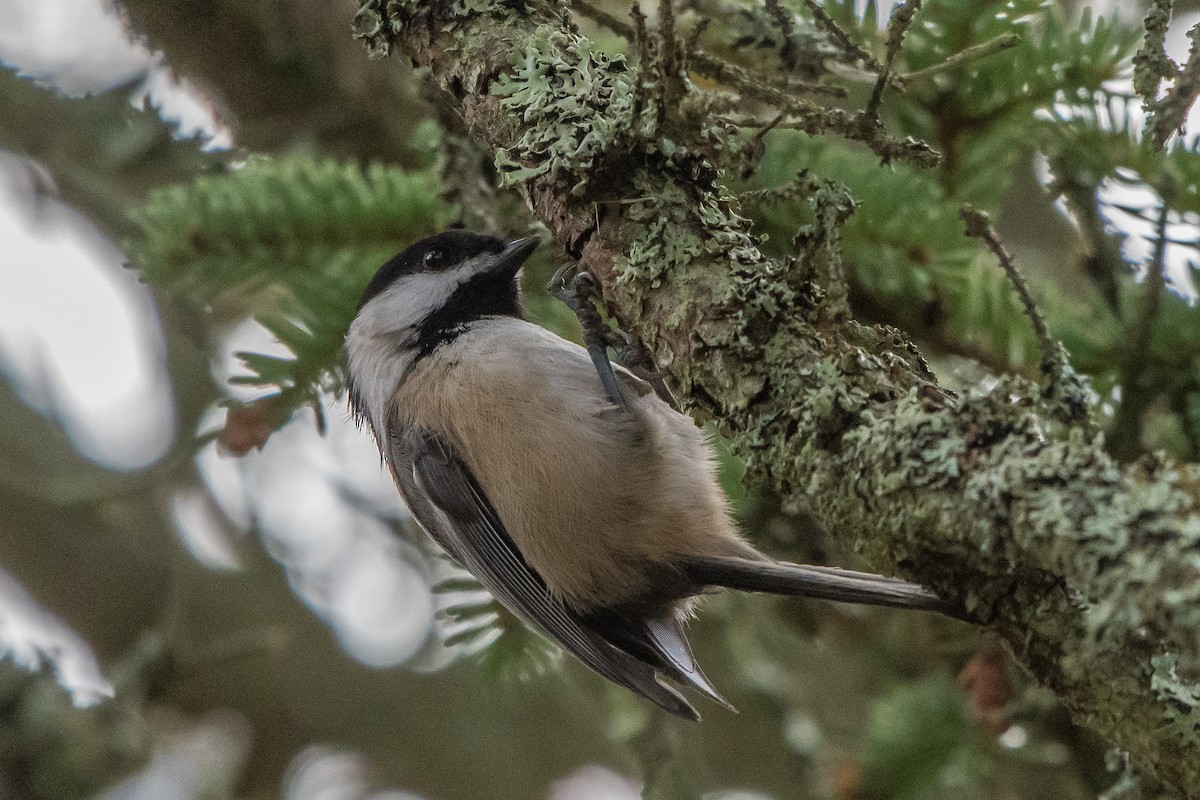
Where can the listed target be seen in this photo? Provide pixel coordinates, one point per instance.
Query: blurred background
(211, 590)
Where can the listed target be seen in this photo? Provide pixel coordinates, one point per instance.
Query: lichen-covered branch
(1065, 395)
(973, 53)
(789, 95)
(1166, 114)
(1170, 112)
(784, 19)
(840, 38)
(898, 24)
(714, 67)
(1090, 572)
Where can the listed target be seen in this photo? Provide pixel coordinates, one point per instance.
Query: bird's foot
(636, 358)
(579, 291)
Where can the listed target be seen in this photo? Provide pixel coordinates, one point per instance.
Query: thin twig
(671, 85)
(783, 18)
(640, 40)
(599, 15)
(841, 38)
(1171, 111)
(980, 227)
(744, 80)
(1152, 64)
(637, 33)
(992, 46)
(668, 47)
(798, 188)
(1127, 422)
(814, 119)
(765, 129)
(692, 44)
(783, 94)
(898, 25)
(710, 65)
(754, 149)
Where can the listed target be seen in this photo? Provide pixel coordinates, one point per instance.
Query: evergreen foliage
(506, 649)
(290, 242)
(127, 151)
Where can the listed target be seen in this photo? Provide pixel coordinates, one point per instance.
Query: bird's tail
(824, 583)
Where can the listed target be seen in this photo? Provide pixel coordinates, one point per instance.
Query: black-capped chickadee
(596, 519)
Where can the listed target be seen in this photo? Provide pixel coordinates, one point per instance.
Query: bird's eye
(433, 258)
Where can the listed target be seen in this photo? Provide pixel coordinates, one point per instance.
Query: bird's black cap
(491, 290)
(432, 254)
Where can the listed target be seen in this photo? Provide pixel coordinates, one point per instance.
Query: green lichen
(1180, 699)
(587, 117)
(378, 22)
(985, 483)
(578, 106)
(985, 476)
(660, 237)
(1152, 64)
(668, 231)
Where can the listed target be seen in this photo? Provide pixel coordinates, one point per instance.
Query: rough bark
(1003, 501)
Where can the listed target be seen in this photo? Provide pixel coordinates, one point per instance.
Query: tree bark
(999, 500)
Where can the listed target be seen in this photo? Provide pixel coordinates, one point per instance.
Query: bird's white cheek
(379, 344)
(412, 299)
(377, 364)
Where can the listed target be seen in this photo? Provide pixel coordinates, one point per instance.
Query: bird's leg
(635, 357)
(578, 291)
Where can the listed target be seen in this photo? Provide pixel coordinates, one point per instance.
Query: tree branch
(898, 24)
(840, 37)
(714, 67)
(1167, 114)
(1126, 440)
(996, 44)
(1087, 571)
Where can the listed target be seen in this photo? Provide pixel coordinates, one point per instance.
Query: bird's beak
(512, 257)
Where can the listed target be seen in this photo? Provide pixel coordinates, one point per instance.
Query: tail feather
(668, 640)
(823, 583)
(659, 642)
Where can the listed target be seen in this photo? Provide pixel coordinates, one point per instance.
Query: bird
(582, 501)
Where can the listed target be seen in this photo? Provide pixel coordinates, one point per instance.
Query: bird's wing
(660, 642)
(449, 503)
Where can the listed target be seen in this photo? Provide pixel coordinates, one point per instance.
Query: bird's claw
(579, 292)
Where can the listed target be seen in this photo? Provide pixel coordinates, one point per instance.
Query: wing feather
(450, 504)
(659, 641)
